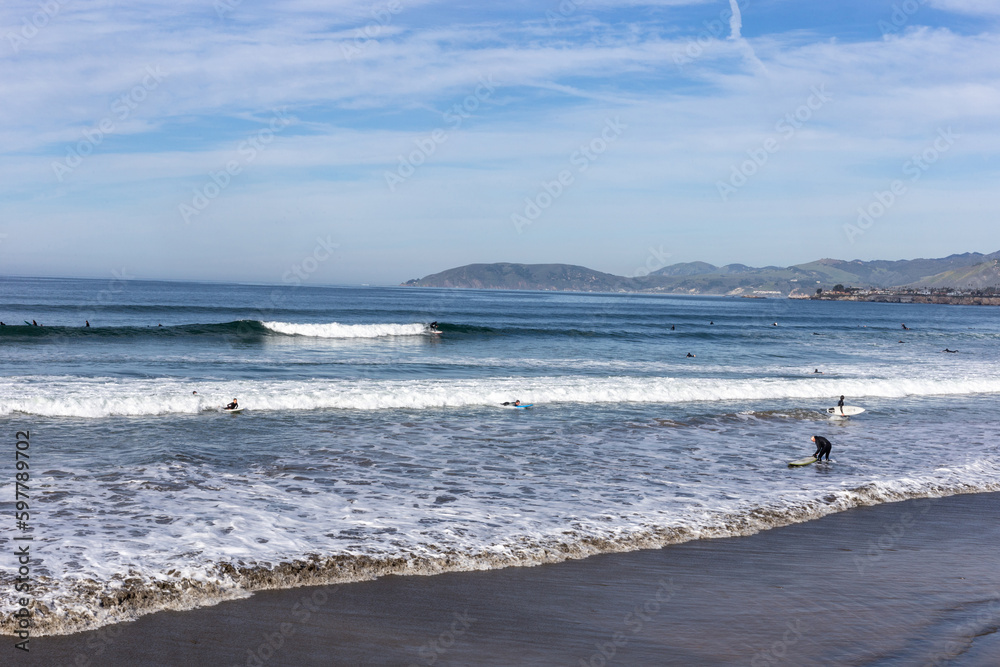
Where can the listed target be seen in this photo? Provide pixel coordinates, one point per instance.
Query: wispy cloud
(735, 21)
(557, 81)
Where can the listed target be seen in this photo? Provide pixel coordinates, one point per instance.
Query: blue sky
(377, 142)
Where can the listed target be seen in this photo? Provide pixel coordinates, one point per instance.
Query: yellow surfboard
(802, 462)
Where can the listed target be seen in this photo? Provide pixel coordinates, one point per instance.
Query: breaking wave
(85, 603)
(336, 330)
(108, 397)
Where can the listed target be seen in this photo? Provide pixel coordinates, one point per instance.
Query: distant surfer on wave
(232, 406)
(818, 372)
(952, 351)
(823, 446)
(515, 403)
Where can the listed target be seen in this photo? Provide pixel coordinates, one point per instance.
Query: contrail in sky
(735, 21)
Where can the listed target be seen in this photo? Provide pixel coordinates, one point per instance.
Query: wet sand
(911, 583)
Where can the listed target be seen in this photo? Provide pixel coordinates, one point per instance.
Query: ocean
(370, 445)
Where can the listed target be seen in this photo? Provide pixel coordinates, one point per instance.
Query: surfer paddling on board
(515, 403)
(823, 446)
(232, 406)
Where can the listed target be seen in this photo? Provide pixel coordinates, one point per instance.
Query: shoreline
(903, 581)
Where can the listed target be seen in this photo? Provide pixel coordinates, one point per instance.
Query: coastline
(900, 583)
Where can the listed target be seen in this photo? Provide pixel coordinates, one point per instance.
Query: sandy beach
(905, 583)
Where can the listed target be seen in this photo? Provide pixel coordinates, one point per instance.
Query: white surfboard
(233, 411)
(846, 411)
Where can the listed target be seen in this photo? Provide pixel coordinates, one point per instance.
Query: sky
(342, 142)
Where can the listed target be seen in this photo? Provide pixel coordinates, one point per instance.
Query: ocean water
(370, 445)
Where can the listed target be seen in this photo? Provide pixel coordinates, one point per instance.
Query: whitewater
(370, 446)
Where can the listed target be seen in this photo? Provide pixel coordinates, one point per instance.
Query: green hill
(962, 271)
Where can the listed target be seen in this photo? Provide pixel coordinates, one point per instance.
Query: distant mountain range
(971, 270)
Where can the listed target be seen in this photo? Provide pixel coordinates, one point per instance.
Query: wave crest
(337, 330)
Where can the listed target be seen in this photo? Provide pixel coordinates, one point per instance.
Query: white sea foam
(337, 330)
(244, 544)
(108, 397)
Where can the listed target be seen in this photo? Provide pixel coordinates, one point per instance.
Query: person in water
(823, 447)
(690, 355)
(944, 350)
(840, 404)
(232, 406)
(434, 326)
(817, 372)
(34, 323)
(906, 328)
(515, 403)
(86, 323)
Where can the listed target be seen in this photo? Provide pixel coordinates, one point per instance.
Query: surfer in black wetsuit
(823, 446)
(690, 356)
(232, 406)
(840, 404)
(515, 403)
(944, 350)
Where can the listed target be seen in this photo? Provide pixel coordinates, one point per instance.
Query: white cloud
(735, 20)
(687, 126)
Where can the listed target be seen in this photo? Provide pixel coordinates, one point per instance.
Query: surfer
(671, 327)
(906, 328)
(515, 403)
(690, 356)
(823, 446)
(944, 350)
(86, 323)
(34, 323)
(817, 372)
(840, 404)
(232, 406)
(434, 326)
